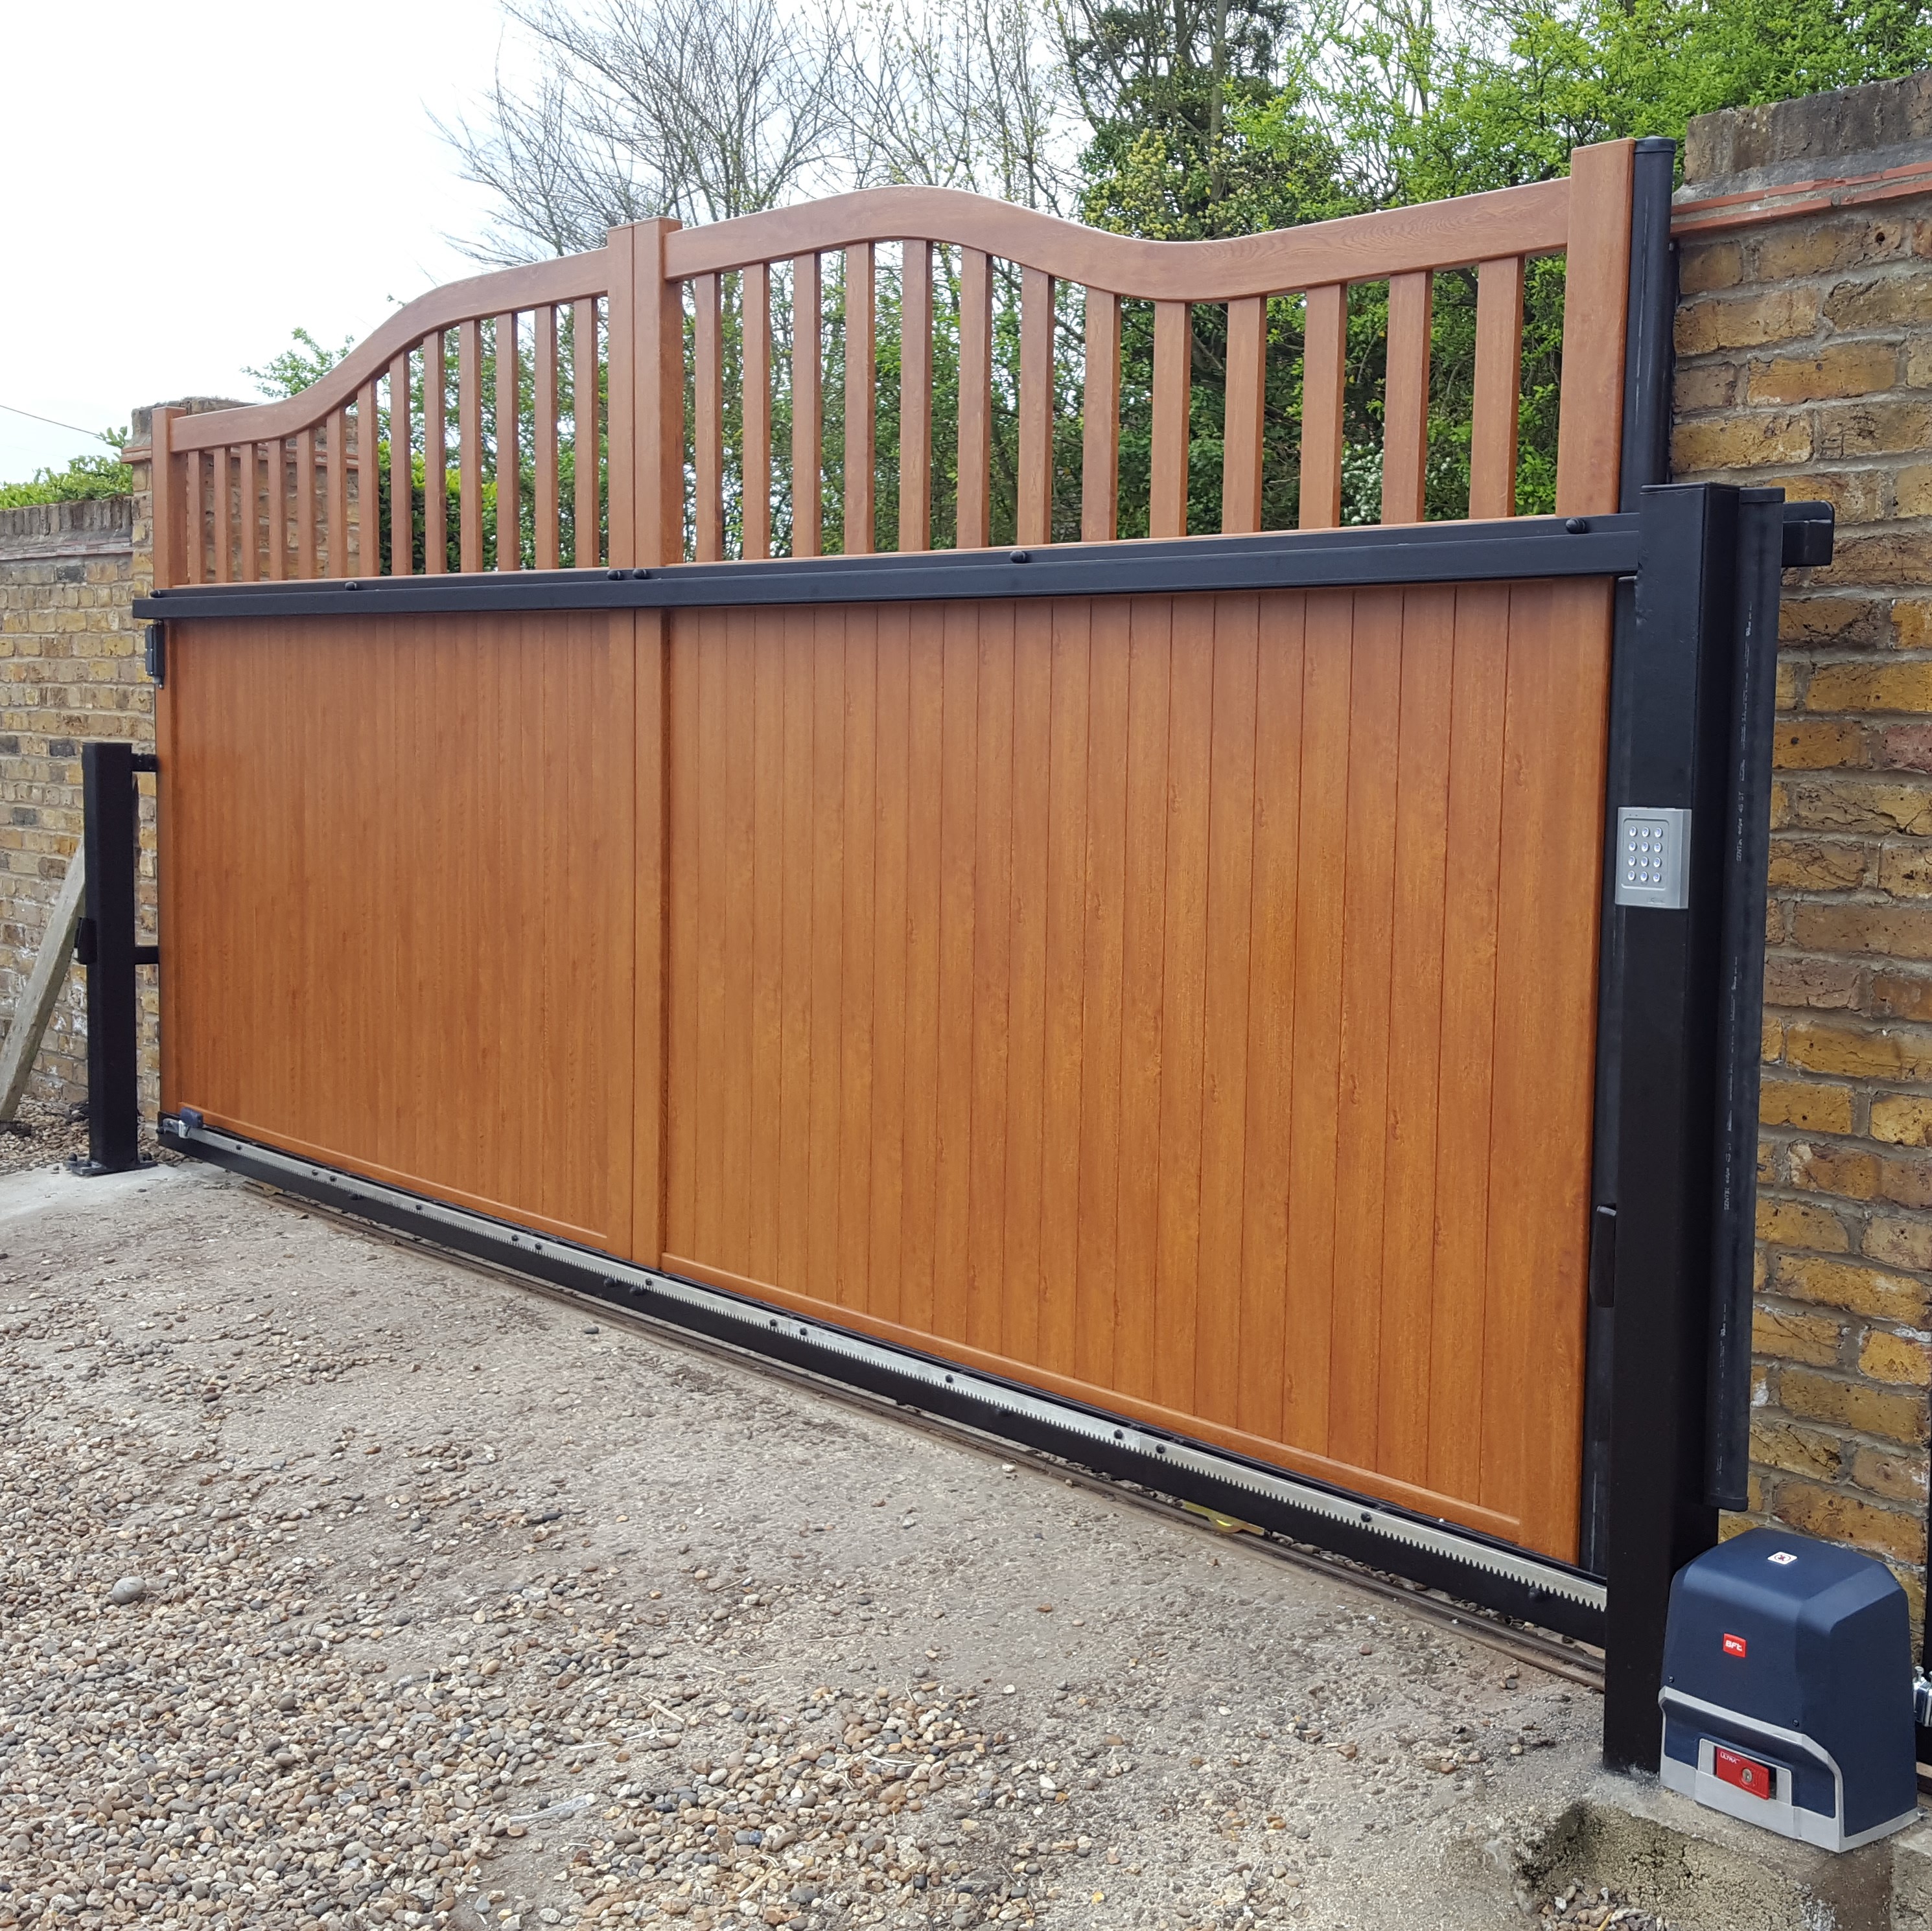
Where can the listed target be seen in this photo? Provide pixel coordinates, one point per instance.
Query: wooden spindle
(974, 526)
(1100, 431)
(1033, 521)
(1323, 374)
(224, 527)
(543, 429)
(861, 377)
(248, 515)
(1173, 376)
(278, 510)
(305, 544)
(708, 427)
(807, 405)
(1405, 402)
(402, 472)
(1246, 398)
(916, 398)
(338, 493)
(368, 483)
(755, 296)
(588, 545)
(192, 552)
(435, 458)
(470, 446)
(509, 450)
(1492, 424)
(1596, 283)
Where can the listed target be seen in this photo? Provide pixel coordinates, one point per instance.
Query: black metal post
(107, 948)
(1650, 322)
(1675, 689)
(1747, 859)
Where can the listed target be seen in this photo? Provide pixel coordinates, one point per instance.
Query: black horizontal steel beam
(1458, 553)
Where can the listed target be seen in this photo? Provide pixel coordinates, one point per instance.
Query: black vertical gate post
(106, 947)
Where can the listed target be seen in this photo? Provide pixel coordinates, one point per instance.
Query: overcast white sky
(187, 180)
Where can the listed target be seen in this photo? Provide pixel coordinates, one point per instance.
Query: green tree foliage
(84, 479)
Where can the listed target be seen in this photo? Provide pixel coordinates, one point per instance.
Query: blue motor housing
(1787, 1689)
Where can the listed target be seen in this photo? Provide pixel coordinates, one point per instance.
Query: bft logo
(1734, 1646)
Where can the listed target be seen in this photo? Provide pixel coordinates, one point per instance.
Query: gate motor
(1787, 1689)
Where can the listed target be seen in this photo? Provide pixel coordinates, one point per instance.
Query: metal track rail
(1437, 1555)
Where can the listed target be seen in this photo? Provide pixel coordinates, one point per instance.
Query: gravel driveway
(344, 1584)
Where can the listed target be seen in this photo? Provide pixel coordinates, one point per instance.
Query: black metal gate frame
(1673, 1162)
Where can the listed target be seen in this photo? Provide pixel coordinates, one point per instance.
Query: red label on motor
(1746, 1773)
(1734, 1645)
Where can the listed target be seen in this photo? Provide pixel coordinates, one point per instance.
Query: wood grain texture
(508, 466)
(368, 485)
(916, 398)
(708, 419)
(1033, 518)
(862, 406)
(436, 460)
(1173, 383)
(544, 436)
(1406, 407)
(1589, 431)
(1183, 1004)
(1497, 400)
(755, 537)
(470, 447)
(305, 506)
(1100, 421)
(585, 461)
(975, 513)
(224, 517)
(808, 407)
(1325, 377)
(175, 482)
(402, 481)
(1246, 396)
(387, 956)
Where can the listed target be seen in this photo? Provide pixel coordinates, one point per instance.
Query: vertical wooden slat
(1406, 408)
(402, 472)
(708, 426)
(368, 484)
(224, 542)
(974, 523)
(278, 509)
(755, 299)
(193, 555)
(543, 429)
(858, 912)
(916, 398)
(1100, 431)
(1324, 370)
(338, 493)
(1033, 519)
(305, 546)
(435, 458)
(861, 397)
(587, 549)
(469, 445)
(248, 505)
(1241, 431)
(807, 405)
(1173, 371)
(1589, 434)
(1492, 432)
(651, 957)
(509, 449)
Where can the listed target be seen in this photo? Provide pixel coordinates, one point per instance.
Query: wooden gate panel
(397, 880)
(1184, 1003)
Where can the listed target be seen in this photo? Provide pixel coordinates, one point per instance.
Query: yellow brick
(1706, 385)
(1745, 322)
(1813, 1339)
(1889, 1413)
(1811, 1107)
(1900, 1243)
(1872, 1292)
(1796, 1223)
(1902, 299)
(1846, 430)
(1850, 1174)
(1814, 865)
(1859, 1051)
(1840, 369)
(1817, 983)
(1898, 931)
(1870, 687)
(1902, 995)
(1857, 496)
(1770, 1038)
(1821, 744)
(1906, 871)
(1708, 266)
(1741, 443)
(1897, 1358)
(1912, 489)
(1902, 1119)
(1781, 1445)
(1836, 1514)
(1899, 1478)
(1854, 804)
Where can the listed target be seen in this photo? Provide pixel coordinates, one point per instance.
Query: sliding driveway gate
(1271, 1013)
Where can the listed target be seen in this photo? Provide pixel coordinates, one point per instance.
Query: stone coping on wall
(34, 532)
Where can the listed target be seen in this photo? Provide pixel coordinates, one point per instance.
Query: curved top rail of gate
(681, 344)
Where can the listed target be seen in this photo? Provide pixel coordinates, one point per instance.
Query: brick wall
(1804, 345)
(70, 670)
